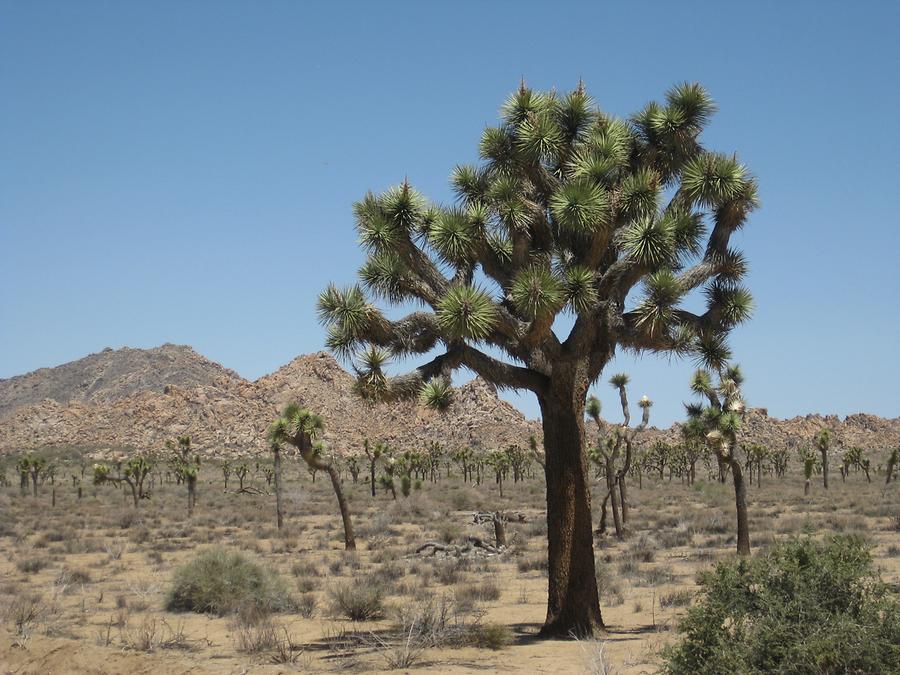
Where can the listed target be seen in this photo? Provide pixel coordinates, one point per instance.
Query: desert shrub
(358, 601)
(478, 592)
(803, 606)
(220, 582)
(677, 536)
(676, 599)
(306, 605)
(32, 565)
(490, 636)
(534, 562)
(643, 549)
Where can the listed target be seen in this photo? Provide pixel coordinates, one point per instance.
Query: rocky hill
(113, 375)
(134, 398)
(172, 391)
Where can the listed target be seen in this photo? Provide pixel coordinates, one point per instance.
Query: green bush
(804, 606)
(222, 582)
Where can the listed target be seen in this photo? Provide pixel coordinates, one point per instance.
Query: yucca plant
(717, 420)
(300, 428)
(570, 212)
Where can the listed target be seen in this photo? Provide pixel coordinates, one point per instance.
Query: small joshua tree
(893, 461)
(757, 455)
(226, 472)
(275, 448)
(186, 468)
(22, 470)
(856, 458)
(35, 468)
(373, 453)
(823, 442)
(299, 427)
(498, 460)
(353, 467)
(809, 465)
(719, 421)
(610, 449)
(241, 471)
(133, 473)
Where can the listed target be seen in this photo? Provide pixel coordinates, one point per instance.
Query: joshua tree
(133, 473)
(609, 450)
(275, 447)
(893, 460)
(823, 442)
(719, 421)
(434, 456)
(353, 468)
(498, 460)
(808, 457)
(464, 457)
(373, 454)
(34, 468)
(241, 471)
(855, 457)
(22, 469)
(756, 455)
(298, 427)
(226, 472)
(572, 211)
(186, 468)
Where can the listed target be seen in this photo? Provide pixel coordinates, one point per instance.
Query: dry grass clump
(357, 600)
(32, 565)
(221, 582)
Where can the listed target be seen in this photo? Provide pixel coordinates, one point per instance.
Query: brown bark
(573, 605)
(499, 529)
(824, 452)
(740, 499)
(349, 540)
(279, 511)
(892, 460)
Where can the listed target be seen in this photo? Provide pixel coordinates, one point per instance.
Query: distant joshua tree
(823, 442)
(299, 428)
(619, 444)
(132, 473)
(719, 420)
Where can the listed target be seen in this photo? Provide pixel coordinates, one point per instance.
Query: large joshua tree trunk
(573, 600)
(824, 452)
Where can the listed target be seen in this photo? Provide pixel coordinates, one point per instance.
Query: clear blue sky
(184, 171)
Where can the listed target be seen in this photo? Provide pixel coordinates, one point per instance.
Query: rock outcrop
(138, 399)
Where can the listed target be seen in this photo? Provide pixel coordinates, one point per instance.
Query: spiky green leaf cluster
(569, 209)
(467, 313)
(437, 394)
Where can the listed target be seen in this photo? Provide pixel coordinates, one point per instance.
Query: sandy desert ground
(83, 584)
